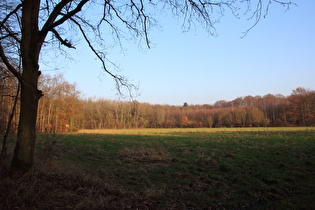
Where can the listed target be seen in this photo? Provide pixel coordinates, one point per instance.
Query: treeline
(62, 110)
(298, 109)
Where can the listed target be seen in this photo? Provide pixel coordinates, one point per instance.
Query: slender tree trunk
(8, 129)
(30, 48)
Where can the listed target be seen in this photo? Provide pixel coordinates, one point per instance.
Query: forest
(62, 109)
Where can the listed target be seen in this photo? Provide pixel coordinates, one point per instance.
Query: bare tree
(26, 26)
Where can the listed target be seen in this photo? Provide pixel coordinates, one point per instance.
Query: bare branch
(54, 14)
(120, 80)
(260, 12)
(51, 23)
(8, 35)
(11, 13)
(128, 25)
(11, 34)
(144, 19)
(11, 68)
(63, 41)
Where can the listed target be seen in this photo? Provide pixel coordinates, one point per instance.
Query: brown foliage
(301, 109)
(61, 110)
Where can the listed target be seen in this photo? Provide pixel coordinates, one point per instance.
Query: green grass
(234, 168)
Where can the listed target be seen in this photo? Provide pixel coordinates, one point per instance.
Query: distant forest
(63, 110)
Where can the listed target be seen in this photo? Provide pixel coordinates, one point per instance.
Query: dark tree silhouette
(27, 26)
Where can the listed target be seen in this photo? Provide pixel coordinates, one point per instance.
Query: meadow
(220, 168)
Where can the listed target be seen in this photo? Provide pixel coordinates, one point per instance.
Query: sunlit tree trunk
(24, 150)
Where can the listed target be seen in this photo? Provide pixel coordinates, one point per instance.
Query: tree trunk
(24, 149)
(30, 95)
(30, 48)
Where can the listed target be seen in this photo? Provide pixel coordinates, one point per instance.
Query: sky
(276, 57)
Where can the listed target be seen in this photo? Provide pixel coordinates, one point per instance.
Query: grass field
(229, 168)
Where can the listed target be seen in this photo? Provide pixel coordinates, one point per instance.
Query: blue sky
(277, 56)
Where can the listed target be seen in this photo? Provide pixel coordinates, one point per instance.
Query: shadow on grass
(174, 170)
